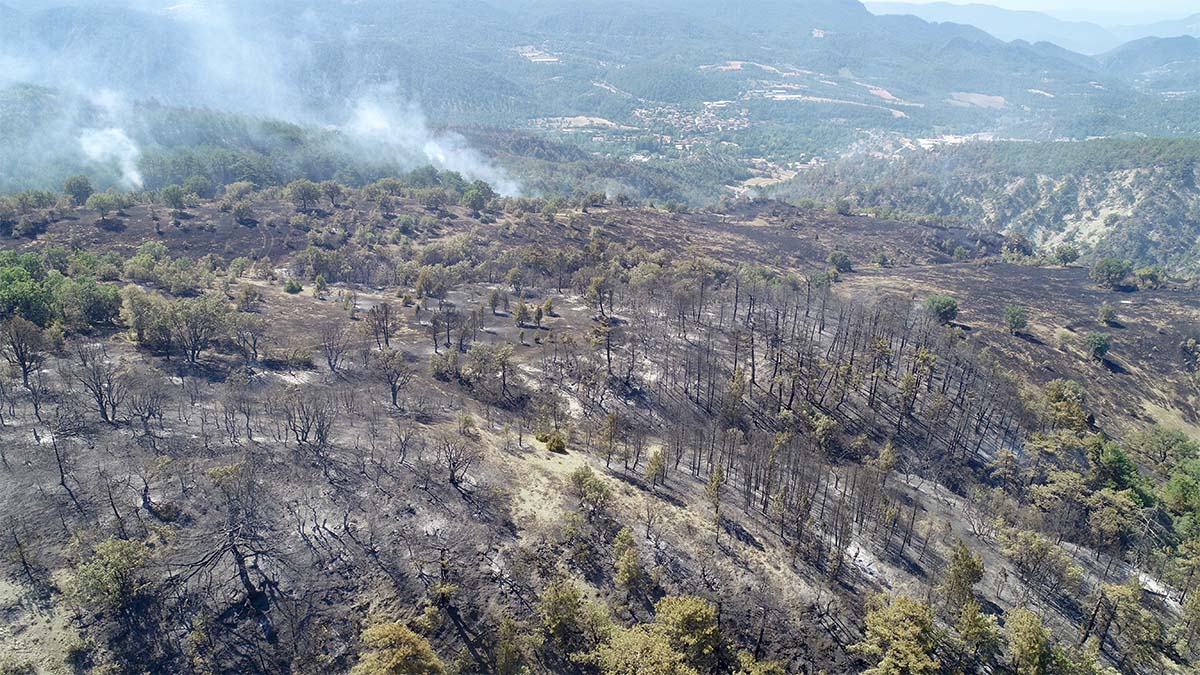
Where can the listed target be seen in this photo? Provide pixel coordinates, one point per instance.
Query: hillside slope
(1135, 199)
(506, 434)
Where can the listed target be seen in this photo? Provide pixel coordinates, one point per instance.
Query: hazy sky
(1096, 10)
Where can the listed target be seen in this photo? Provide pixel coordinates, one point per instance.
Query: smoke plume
(403, 132)
(112, 148)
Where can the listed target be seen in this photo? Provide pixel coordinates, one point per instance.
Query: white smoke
(112, 147)
(403, 132)
(238, 61)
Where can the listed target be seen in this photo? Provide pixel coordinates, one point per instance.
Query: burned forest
(412, 429)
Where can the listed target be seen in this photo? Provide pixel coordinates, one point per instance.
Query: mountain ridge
(1087, 37)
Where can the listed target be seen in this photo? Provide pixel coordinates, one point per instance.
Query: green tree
(568, 621)
(304, 194)
(174, 197)
(1189, 628)
(899, 638)
(978, 633)
(628, 564)
(1163, 446)
(1111, 272)
(640, 650)
(942, 307)
(1066, 254)
(104, 203)
(1077, 661)
(84, 302)
(1028, 642)
(196, 322)
(1150, 276)
(516, 648)
(243, 213)
(964, 570)
(24, 295)
(111, 579)
(1061, 498)
(1097, 345)
(689, 624)
(656, 468)
(1065, 404)
(199, 187)
(474, 200)
(78, 188)
(595, 497)
(1015, 319)
(521, 315)
(332, 191)
(748, 665)
(394, 649)
(886, 461)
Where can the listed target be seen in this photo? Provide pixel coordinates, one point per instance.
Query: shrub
(1111, 272)
(109, 580)
(292, 286)
(243, 213)
(1097, 345)
(556, 443)
(1151, 276)
(174, 197)
(1066, 254)
(942, 307)
(840, 261)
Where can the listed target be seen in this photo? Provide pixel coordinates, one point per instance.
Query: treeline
(177, 145)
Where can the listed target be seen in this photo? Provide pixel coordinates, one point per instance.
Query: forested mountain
(1159, 64)
(1132, 199)
(675, 101)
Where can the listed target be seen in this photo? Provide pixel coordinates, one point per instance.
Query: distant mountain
(1009, 25)
(1186, 26)
(1161, 64)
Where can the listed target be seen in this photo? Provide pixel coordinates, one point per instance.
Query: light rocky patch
(967, 99)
